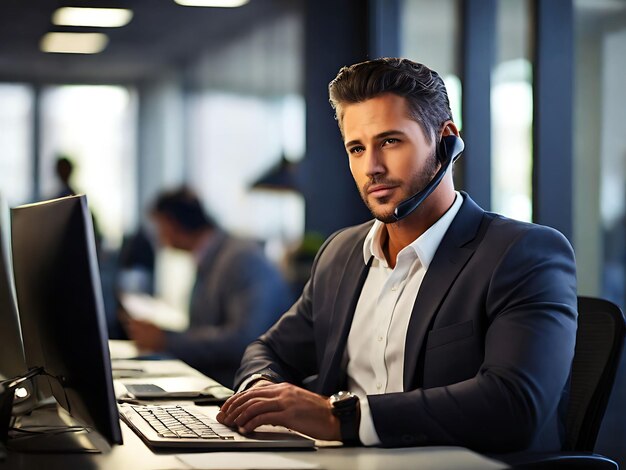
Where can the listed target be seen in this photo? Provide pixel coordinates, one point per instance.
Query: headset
(449, 150)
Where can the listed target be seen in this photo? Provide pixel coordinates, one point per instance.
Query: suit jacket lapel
(208, 258)
(204, 273)
(332, 375)
(452, 254)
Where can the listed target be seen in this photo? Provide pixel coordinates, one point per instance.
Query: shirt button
(394, 288)
(379, 386)
(380, 338)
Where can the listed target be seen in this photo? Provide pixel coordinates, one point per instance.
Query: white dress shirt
(376, 342)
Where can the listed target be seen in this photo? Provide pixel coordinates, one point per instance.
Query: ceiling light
(74, 43)
(212, 3)
(100, 17)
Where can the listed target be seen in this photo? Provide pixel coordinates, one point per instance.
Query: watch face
(343, 399)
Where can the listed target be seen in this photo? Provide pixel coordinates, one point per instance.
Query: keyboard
(177, 422)
(194, 427)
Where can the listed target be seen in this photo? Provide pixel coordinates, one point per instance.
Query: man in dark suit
(442, 325)
(237, 293)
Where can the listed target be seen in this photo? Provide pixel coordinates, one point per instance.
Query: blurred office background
(233, 102)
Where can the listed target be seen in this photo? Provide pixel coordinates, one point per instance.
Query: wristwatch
(345, 406)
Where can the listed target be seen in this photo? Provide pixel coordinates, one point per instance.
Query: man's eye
(391, 140)
(355, 150)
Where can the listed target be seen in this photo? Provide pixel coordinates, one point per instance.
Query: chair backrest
(599, 340)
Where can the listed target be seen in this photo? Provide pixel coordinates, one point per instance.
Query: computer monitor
(12, 362)
(61, 309)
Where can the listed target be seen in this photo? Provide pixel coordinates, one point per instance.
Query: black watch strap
(345, 407)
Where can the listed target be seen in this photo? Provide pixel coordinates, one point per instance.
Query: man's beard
(418, 183)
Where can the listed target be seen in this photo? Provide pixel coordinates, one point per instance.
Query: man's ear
(449, 128)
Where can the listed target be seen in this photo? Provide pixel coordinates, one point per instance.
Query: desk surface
(133, 454)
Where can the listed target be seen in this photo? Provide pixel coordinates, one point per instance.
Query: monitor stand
(61, 433)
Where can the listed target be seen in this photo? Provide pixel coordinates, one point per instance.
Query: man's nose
(374, 163)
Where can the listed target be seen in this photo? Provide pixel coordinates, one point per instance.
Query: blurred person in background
(237, 293)
(63, 170)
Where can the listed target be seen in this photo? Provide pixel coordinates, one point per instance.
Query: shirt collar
(425, 246)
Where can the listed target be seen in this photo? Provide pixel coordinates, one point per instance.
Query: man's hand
(281, 404)
(146, 335)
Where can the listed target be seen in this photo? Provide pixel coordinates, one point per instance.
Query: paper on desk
(122, 349)
(157, 311)
(243, 461)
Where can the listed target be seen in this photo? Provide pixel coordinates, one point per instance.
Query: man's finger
(239, 398)
(255, 407)
(234, 401)
(241, 402)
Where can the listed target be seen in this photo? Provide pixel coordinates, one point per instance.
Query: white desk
(134, 455)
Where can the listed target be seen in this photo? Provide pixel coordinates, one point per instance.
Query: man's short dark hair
(422, 87)
(183, 206)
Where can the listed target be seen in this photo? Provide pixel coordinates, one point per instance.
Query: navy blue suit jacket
(489, 344)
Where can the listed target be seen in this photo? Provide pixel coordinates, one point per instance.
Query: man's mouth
(380, 190)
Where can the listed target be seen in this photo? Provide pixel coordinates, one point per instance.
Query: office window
(95, 127)
(16, 118)
(430, 35)
(511, 112)
(600, 149)
(235, 140)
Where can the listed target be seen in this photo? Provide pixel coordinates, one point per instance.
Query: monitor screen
(12, 361)
(61, 309)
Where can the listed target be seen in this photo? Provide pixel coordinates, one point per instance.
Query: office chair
(599, 340)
